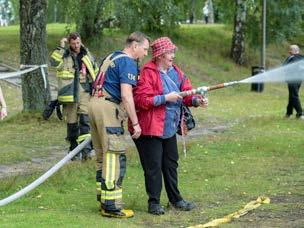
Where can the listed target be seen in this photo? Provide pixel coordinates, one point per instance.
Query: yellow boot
(124, 213)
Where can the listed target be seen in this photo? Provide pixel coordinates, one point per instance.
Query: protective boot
(109, 196)
(84, 132)
(72, 135)
(124, 213)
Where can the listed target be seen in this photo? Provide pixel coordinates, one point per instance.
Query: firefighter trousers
(106, 121)
(78, 128)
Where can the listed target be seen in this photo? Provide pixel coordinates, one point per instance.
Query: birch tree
(238, 40)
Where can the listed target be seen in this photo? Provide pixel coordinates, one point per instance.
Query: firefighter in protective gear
(110, 104)
(76, 71)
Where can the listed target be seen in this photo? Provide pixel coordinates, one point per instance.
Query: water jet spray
(288, 73)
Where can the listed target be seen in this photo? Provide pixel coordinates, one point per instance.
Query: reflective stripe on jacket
(64, 63)
(66, 94)
(66, 73)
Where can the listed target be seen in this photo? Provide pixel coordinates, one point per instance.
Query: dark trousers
(206, 19)
(159, 160)
(293, 99)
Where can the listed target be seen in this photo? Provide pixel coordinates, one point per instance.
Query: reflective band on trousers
(111, 195)
(110, 170)
(98, 187)
(82, 137)
(65, 74)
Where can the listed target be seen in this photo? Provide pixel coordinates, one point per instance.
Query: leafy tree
(93, 18)
(59, 11)
(12, 14)
(90, 16)
(284, 19)
(155, 16)
(190, 10)
(33, 52)
(224, 11)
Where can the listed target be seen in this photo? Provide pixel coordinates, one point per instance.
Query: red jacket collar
(151, 65)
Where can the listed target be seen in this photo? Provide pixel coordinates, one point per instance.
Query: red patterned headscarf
(161, 46)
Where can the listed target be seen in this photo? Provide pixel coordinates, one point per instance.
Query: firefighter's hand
(63, 41)
(49, 109)
(137, 131)
(172, 97)
(3, 113)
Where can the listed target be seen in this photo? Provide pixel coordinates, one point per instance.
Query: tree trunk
(211, 12)
(33, 52)
(238, 40)
(191, 12)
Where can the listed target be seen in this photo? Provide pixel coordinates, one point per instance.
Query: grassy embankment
(261, 154)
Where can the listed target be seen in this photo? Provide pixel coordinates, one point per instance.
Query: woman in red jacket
(158, 109)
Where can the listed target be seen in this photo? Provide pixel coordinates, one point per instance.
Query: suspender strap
(98, 84)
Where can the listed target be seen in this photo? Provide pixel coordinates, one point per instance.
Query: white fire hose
(46, 175)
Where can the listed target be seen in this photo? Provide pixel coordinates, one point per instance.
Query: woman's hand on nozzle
(172, 97)
(204, 102)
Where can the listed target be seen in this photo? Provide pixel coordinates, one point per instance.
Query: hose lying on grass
(46, 175)
(248, 207)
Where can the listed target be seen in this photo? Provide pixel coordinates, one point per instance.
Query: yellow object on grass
(248, 207)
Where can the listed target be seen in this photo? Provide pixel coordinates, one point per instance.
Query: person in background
(294, 87)
(110, 104)
(3, 111)
(76, 71)
(206, 12)
(158, 106)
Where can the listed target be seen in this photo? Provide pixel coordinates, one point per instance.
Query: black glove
(48, 111)
(58, 111)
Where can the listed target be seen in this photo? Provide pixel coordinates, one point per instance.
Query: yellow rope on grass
(248, 207)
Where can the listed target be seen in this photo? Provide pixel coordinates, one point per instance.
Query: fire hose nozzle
(202, 90)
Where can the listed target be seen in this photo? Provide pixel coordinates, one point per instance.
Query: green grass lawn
(261, 154)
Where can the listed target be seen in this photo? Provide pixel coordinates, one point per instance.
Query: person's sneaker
(155, 209)
(117, 214)
(287, 116)
(184, 205)
(300, 117)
